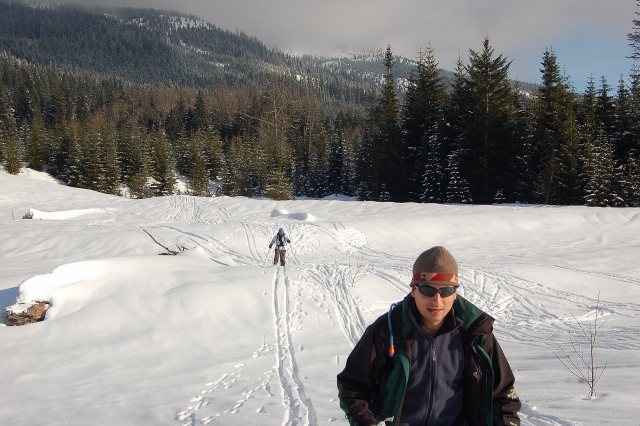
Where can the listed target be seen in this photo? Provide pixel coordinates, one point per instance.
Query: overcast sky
(588, 36)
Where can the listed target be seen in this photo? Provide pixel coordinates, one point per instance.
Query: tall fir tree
(382, 161)
(90, 170)
(278, 185)
(632, 188)
(624, 136)
(111, 169)
(8, 128)
(457, 187)
(214, 155)
(605, 108)
(457, 114)
(162, 172)
(424, 157)
(555, 155)
(603, 183)
(197, 172)
(67, 160)
(489, 127)
(137, 163)
(36, 150)
(634, 37)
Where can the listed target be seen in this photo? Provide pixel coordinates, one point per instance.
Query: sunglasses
(429, 291)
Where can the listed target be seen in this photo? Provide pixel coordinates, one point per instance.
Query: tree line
(482, 140)
(118, 137)
(479, 139)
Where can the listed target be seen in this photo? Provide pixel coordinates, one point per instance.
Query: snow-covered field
(217, 336)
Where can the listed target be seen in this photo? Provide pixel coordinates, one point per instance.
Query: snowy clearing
(218, 336)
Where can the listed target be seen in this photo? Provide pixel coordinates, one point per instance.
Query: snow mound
(278, 212)
(63, 215)
(197, 253)
(308, 217)
(297, 216)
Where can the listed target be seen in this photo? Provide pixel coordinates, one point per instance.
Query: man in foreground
(432, 360)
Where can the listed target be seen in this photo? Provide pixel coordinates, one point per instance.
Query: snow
(217, 335)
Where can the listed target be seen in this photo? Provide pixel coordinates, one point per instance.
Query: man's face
(433, 309)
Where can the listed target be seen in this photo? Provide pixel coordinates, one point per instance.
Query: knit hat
(435, 266)
(280, 231)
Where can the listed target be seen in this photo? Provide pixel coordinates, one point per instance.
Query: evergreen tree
(457, 114)
(110, 165)
(336, 161)
(23, 101)
(200, 120)
(90, 166)
(348, 175)
(137, 164)
(382, 164)
(12, 156)
(556, 152)
(605, 109)
(625, 136)
(237, 178)
(162, 171)
(489, 127)
(457, 187)
(278, 186)
(37, 155)
(603, 179)
(197, 172)
(634, 37)
(9, 139)
(632, 189)
(214, 155)
(8, 129)
(423, 125)
(66, 162)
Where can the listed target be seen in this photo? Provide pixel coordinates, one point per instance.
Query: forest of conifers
(278, 127)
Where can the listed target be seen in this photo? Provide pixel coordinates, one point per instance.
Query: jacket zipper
(433, 380)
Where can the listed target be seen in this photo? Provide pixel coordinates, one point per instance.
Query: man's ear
(413, 291)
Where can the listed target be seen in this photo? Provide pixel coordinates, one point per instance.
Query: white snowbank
(278, 212)
(308, 217)
(214, 336)
(63, 215)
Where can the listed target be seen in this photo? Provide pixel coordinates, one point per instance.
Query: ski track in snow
(298, 408)
(332, 283)
(187, 209)
(205, 402)
(183, 209)
(542, 315)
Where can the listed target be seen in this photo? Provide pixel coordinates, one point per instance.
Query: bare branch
(169, 251)
(584, 368)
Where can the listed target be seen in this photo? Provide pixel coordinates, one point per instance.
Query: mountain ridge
(145, 45)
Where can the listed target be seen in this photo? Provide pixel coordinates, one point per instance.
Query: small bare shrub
(357, 268)
(582, 365)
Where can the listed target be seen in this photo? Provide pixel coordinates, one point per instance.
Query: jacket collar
(473, 319)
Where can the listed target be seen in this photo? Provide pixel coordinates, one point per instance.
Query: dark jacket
(373, 384)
